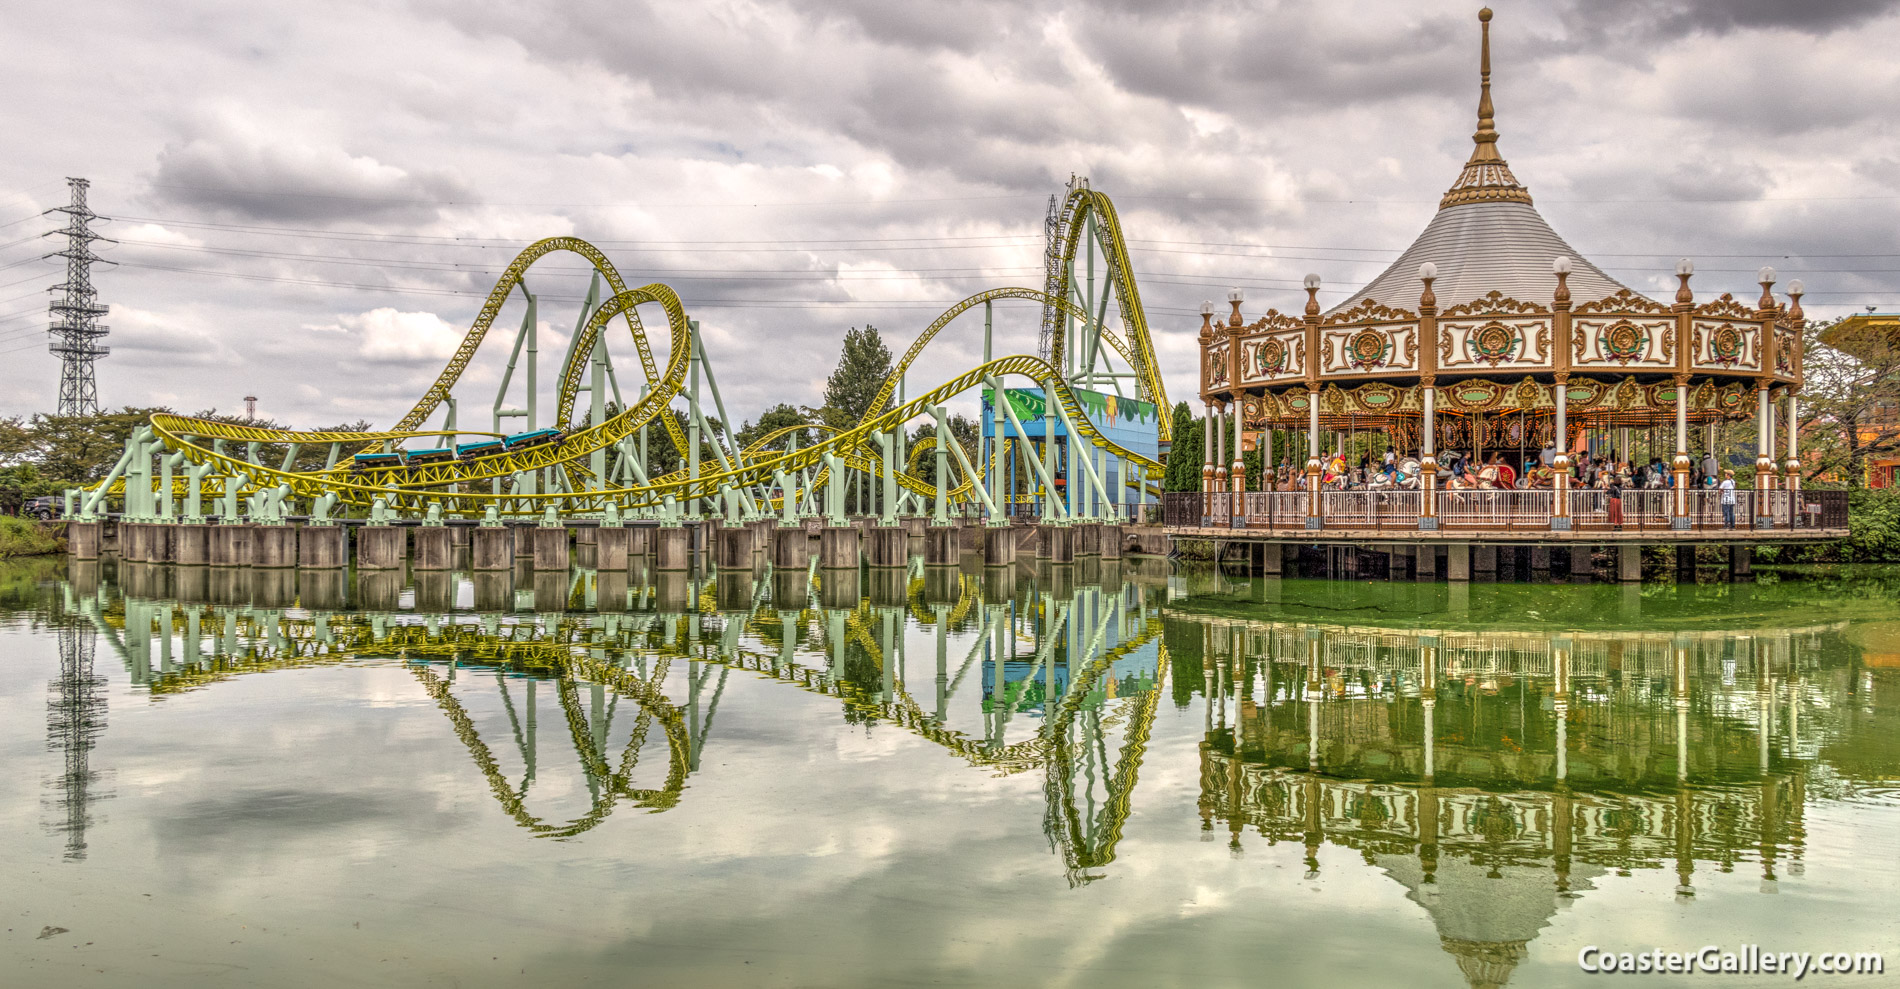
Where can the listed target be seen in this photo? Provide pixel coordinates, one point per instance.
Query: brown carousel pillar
(1237, 471)
(1679, 510)
(1560, 397)
(1313, 520)
(1764, 408)
(1791, 470)
(1428, 393)
(1207, 449)
(1220, 449)
(1685, 358)
(1207, 419)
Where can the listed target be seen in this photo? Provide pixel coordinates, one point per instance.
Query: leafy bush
(23, 537)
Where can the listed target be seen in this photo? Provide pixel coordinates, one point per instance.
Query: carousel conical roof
(1487, 236)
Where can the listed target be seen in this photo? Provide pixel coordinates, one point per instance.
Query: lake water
(1103, 775)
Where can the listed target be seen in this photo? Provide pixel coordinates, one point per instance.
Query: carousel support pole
(1560, 396)
(1428, 437)
(1764, 453)
(1238, 473)
(1207, 450)
(1791, 470)
(1791, 476)
(1765, 409)
(1220, 450)
(1685, 312)
(1313, 520)
(1679, 511)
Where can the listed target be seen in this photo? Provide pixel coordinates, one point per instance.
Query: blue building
(1131, 423)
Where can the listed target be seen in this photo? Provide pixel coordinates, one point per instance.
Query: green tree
(963, 429)
(862, 367)
(1850, 399)
(1184, 457)
(780, 416)
(82, 449)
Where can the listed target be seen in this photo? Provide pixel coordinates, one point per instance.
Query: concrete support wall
(672, 548)
(380, 547)
(1741, 562)
(434, 549)
(1458, 562)
(1629, 563)
(272, 546)
(1057, 544)
(1111, 541)
(191, 545)
(889, 546)
(610, 544)
(732, 547)
(550, 548)
(230, 545)
(999, 546)
(1088, 538)
(321, 547)
(491, 548)
(791, 548)
(838, 547)
(942, 545)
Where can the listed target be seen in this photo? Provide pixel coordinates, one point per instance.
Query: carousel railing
(1638, 510)
(1376, 510)
(1276, 510)
(1494, 510)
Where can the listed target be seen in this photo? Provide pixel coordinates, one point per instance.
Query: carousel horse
(1542, 478)
(1401, 476)
(1334, 476)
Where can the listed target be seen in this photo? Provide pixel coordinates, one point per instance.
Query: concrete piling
(673, 548)
(550, 548)
(273, 546)
(838, 547)
(942, 545)
(191, 545)
(433, 548)
(230, 545)
(380, 547)
(889, 546)
(791, 548)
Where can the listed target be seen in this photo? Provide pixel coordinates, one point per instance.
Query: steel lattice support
(75, 328)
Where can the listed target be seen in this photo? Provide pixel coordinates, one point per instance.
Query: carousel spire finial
(1487, 116)
(1486, 178)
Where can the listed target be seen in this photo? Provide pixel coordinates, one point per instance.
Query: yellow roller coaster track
(447, 485)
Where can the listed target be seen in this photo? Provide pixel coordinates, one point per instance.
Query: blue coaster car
(375, 461)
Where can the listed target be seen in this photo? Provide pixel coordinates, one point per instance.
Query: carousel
(1491, 355)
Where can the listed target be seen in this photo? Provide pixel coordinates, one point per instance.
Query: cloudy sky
(311, 202)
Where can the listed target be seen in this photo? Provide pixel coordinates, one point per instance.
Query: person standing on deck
(1727, 487)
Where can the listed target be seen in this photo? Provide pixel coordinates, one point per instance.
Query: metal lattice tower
(76, 329)
(1051, 270)
(75, 717)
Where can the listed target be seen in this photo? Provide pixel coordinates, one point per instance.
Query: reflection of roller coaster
(1096, 649)
(595, 461)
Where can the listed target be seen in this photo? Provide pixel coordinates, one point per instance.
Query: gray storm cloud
(796, 168)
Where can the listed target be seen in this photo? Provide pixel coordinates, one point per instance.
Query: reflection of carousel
(1490, 340)
(1498, 780)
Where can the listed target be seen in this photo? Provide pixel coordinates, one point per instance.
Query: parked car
(42, 508)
